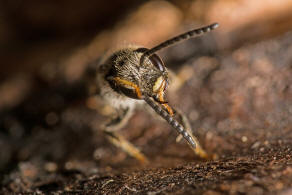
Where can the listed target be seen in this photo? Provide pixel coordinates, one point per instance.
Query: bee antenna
(174, 123)
(186, 35)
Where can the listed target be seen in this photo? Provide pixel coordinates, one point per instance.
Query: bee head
(133, 79)
(139, 72)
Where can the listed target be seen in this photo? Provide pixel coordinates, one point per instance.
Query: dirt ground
(236, 90)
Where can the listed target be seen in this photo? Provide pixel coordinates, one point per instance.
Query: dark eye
(155, 59)
(157, 62)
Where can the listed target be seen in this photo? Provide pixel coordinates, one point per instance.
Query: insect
(135, 75)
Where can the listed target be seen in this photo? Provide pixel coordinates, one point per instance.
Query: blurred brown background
(35, 32)
(237, 94)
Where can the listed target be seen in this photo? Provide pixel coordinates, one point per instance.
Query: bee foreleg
(117, 123)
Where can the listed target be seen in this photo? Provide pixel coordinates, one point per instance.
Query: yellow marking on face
(159, 89)
(158, 84)
(129, 83)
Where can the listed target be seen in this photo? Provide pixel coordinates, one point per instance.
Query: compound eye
(155, 59)
(157, 62)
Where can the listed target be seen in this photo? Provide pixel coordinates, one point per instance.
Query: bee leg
(110, 130)
(185, 122)
(119, 120)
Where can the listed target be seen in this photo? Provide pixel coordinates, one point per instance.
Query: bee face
(133, 79)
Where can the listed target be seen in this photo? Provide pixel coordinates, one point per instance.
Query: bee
(135, 75)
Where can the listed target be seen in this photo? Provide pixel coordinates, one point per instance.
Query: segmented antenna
(174, 123)
(187, 35)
